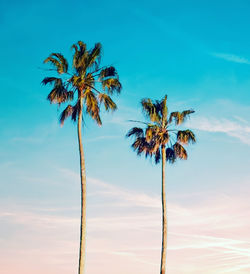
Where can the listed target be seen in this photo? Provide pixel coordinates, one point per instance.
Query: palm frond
(92, 105)
(58, 61)
(164, 110)
(180, 151)
(51, 80)
(76, 111)
(112, 85)
(59, 93)
(135, 131)
(63, 61)
(109, 104)
(149, 133)
(150, 110)
(140, 145)
(170, 155)
(65, 114)
(107, 72)
(94, 57)
(80, 56)
(186, 136)
(179, 117)
(158, 156)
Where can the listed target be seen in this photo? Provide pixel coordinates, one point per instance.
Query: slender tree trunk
(164, 215)
(83, 195)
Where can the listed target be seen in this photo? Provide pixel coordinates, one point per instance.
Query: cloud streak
(231, 58)
(237, 129)
(124, 231)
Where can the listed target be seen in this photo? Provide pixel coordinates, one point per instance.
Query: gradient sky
(196, 52)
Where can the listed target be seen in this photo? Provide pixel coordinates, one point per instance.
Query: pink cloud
(210, 235)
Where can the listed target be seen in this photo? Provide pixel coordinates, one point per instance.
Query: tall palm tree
(164, 143)
(88, 85)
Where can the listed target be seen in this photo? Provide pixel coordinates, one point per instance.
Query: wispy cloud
(231, 58)
(237, 128)
(210, 235)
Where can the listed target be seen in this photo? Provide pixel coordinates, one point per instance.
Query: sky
(196, 52)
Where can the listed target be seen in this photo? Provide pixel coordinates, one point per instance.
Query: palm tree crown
(85, 79)
(159, 133)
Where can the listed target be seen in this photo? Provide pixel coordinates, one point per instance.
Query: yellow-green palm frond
(111, 85)
(164, 137)
(59, 93)
(150, 132)
(89, 80)
(76, 81)
(94, 56)
(150, 110)
(186, 136)
(179, 117)
(58, 61)
(180, 151)
(92, 105)
(109, 104)
(162, 109)
(80, 56)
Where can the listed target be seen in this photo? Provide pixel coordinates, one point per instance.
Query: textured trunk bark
(164, 215)
(83, 195)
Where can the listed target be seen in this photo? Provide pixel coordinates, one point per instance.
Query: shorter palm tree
(163, 142)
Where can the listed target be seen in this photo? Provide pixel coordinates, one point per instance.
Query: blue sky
(197, 52)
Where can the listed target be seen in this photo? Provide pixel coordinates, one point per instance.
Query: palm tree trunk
(83, 195)
(164, 215)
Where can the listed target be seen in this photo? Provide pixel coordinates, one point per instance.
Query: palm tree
(163, 142)
(90, 85)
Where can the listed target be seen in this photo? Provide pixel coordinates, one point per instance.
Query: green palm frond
(94, 57)
(179, 117)
(150, 110)
(109, 104)
(76, 111)
(180, 151)
(92, 105)
(162, 109)
(135, 131)
(80, 56)
(111, 85)
(65, 114)
(150, 132)
(76, 81)
(140, 145)
(107, 72)
(51, 80)
(58, 60)
(186, 136)
(60, 94)
(89, 80)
